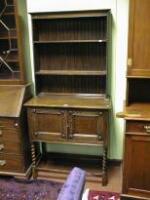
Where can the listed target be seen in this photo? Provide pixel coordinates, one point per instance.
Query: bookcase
(11, 59)
(136, 176)
(15, 159)
(72, 103)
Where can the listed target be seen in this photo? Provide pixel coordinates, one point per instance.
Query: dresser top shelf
(136, 111)
(71, 14)
(69, 101)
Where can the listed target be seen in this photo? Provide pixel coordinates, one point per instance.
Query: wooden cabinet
(15, 159)
(76, 126)
(87, 126)
(71, 76)
(139, 38)
(136, 175)
(136, 181)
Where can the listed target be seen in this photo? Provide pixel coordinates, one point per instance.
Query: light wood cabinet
(139, 39)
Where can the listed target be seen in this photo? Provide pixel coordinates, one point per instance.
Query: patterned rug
(101, 195)
(12, 189)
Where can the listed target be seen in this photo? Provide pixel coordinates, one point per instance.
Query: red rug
(102, 195)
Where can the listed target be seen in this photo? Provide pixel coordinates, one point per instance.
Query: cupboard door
(47, 125)
(136, 177)
(86, 127)
(139, 38)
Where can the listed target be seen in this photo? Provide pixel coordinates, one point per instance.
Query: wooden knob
(2, 162)
(36, 133)
(16, 124)
(147, 128)
(1, 147)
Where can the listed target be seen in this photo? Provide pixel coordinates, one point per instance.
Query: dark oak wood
(138, 86)
(49, 100)
(68, 126)
(72, 72)
(71, 104)
(71, 56)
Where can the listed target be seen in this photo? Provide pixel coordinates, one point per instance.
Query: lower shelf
(57, 166)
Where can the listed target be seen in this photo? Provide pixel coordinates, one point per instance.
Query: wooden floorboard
(92, 182)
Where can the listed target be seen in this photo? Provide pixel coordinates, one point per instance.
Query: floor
(114, 180)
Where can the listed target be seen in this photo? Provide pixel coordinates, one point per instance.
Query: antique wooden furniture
(14, 142)
(136, 171)
(71, 75)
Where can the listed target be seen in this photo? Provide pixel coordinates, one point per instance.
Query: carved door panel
(86, 126)
(48, 125)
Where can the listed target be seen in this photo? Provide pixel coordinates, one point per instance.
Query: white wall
(119, 9)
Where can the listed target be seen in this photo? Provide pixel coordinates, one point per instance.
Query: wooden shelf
(11, 76)
(9, 14)
(70, 101)
(70, 14)
(58, 167)
(5, 35)
(71, 72)
(138, 73)
(136, 111)
(70, 41)
(12, 60)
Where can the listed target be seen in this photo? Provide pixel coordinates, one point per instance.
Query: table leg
(104, 167)
(33, 161)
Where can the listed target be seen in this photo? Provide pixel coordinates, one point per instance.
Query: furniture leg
(33, 161)
(104, 167)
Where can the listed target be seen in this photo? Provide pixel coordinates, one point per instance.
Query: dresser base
(17, 175)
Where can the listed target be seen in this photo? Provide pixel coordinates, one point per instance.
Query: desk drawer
(11, 162)
(6, 123)
(10, 141)
(138, 127)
